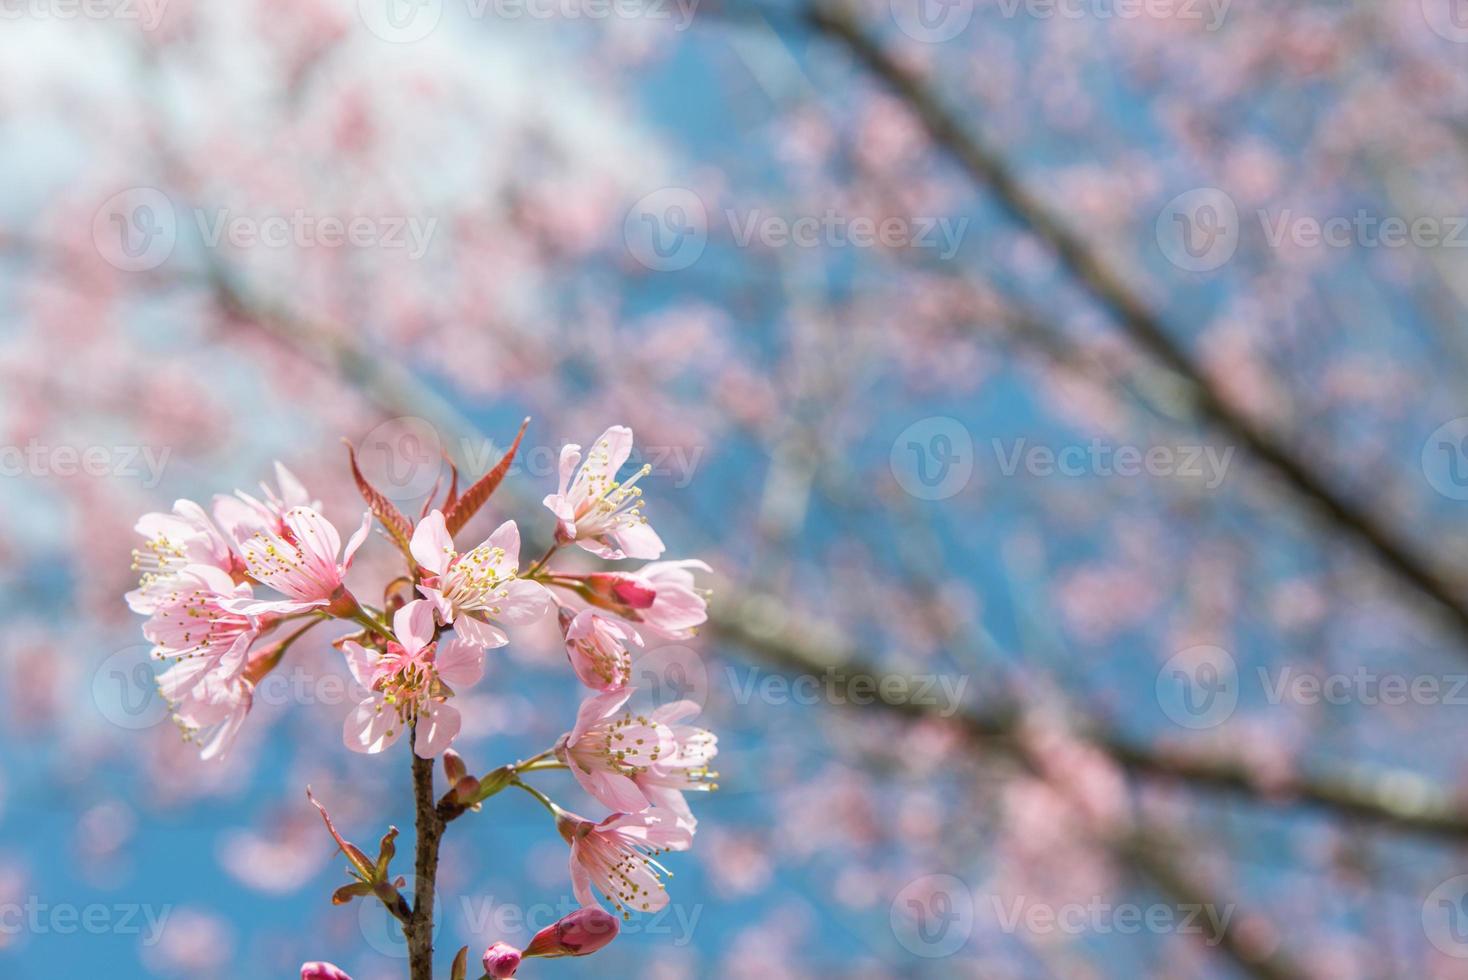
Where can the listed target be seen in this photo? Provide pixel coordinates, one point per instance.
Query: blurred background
(1069, 395)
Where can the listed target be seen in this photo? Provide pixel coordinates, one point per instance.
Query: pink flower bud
(501, 960)
(322, 971)
(622, 588)
(582, 932)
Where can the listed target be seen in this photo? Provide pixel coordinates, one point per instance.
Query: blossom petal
(432, 543)
(437, 728)
(460, 663)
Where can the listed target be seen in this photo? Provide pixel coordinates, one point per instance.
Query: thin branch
(1394, 800)
(1142, 848)
(1415, 568)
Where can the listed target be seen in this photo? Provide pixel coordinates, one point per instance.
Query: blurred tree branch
(1396, 800)
(1391, 799)
(1421, 572)
(756, 623)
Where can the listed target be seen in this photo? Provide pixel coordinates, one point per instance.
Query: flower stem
(544, 800)
(540, 562)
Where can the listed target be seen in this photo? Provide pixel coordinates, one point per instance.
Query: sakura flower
(300, 561)
(597, 648)
(210, 708)
(479, 591)
(631, 762)
(409, 684)
(242, 515)
(172, 542)
(606, 752)
(661, 596)
(686, 768)
(196, 619)
(581, 933)
(594, 510)
(619, 856)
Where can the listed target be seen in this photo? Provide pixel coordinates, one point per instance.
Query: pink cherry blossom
(242, 515)
(619, 856)
(195, 626)
(597, 648)
(632, 762)
(209, 709)
(479, 590)
(299, 561)
(581, 933)
(686, 768)
(410, 683)
(661, 596)
(608, 749)
(594, 510)
(196, 619)
(172, 542)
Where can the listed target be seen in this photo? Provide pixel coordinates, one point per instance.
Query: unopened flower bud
(582, 932)
(453, 766)
(322, 971)
(501, 960)
(621, 589)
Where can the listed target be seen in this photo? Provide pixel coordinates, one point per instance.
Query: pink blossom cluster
(227, 589)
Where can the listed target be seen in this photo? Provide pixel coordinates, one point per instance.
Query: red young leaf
(453, 497)
(352, 851)
(468, 505)
(385, 510)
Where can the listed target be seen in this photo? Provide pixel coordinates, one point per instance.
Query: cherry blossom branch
(1409, 563)
(1393, 799)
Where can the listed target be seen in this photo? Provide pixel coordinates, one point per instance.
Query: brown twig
(419, 929)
